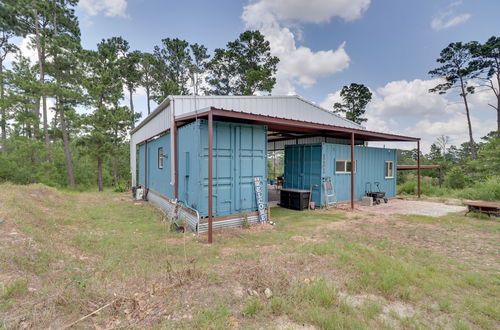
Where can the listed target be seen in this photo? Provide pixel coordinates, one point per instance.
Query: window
(344, 166)
(389, 170)
(160, 157)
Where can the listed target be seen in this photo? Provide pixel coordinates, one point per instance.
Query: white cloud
(407, 108)
(107, 7)
(298, 64)
(331, 99)
(25, 48)
(449, 18)
(409, 98)
(312, 11)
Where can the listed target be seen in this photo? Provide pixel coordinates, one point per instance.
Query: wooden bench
(489, 208)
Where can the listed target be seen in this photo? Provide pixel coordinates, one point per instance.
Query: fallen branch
(88, 315)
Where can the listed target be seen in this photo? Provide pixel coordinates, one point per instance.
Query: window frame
(345, 161)
(160, 158)
(386, 169)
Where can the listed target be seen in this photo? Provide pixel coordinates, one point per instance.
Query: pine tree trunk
(132, 107)
(67, 150)
(99, 174)
(115, 159)
(498, 98)
(3, 119)
(41, 65)
(471, 138)
(148, 98)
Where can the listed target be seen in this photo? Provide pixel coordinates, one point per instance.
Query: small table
(488, 208)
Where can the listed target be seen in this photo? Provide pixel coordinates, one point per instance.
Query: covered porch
(281, 131)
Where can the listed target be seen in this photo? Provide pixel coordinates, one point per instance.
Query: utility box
(367, 201)
(308, 166)
(294, 199)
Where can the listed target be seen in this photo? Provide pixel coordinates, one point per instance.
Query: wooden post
(210, 179)
(176, 166)
(352, 170)
(418, 169)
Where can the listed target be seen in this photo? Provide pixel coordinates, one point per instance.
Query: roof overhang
(295, 126)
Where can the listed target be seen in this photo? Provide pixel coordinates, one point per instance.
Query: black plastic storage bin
(294, 199)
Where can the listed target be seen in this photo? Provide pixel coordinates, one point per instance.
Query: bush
(488, 190)
(455, 178)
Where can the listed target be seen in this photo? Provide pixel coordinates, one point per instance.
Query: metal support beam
(146, 164)
(176, 161)
(210, 179)
(353, 166)
(418, 169)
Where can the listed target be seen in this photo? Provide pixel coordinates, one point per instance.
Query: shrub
(455, 178)
(488, 190)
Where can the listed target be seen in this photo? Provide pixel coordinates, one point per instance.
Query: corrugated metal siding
(280, 145)
(159, 178)
(370, 168)
(160, 123)
(288, 107)
(229, 223)
(189, 218)
(239, 155)
(303, 169)
(141, 164)
(303, 162)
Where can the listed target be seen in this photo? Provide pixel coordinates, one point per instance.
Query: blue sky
(388, 45)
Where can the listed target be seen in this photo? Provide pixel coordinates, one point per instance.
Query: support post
(418, 169)
(210, 179)
(146, 164)
(353, 166)
(176, 166)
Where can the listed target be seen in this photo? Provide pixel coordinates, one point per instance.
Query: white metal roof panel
(286, 107)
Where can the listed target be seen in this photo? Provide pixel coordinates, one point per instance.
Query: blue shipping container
(307, 165)
(239, 155)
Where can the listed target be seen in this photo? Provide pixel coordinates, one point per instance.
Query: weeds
(252, 307)
(15, 288)
(80, 250)
(216, 318)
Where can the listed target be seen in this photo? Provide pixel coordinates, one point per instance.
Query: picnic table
(488, 208)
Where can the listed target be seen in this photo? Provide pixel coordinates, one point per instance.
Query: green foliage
(216, 318)
(174, 60)
(455, 178)
(244, 68)
(355, 97)
(14, 288)
(252, 307)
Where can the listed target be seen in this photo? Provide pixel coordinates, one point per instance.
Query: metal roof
(285, 107)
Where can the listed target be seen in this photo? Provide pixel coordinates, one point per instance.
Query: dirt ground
(64, 256)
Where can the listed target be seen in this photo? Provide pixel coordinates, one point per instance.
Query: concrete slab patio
(403, 206)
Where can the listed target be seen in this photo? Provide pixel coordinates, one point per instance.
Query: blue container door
(239, 155)
(223, 169)
(303, 169)
(251, 151)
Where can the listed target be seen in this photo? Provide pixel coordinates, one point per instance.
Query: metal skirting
(191, 217)
(229, 223)
(176, 211)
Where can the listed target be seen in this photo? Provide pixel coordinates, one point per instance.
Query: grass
(74, 252)
(488, 190)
